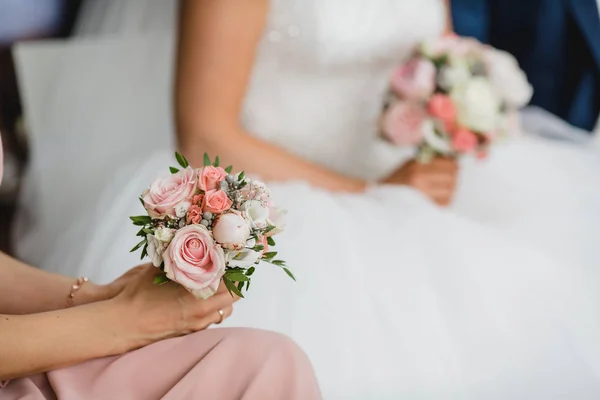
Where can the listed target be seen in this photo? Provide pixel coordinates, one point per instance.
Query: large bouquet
(206, 225)
(454, 96)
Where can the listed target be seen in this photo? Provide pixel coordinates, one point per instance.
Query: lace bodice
(321, 74)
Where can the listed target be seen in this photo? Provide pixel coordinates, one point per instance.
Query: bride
(395, 297)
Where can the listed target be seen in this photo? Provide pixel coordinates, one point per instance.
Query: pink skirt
(213, 364)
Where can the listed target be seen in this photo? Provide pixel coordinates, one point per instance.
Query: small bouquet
(454, 96)
(206, 225)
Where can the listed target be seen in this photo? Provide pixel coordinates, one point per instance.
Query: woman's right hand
(436, 179)
(156, 312)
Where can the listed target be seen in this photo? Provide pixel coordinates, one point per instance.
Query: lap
(216, 363)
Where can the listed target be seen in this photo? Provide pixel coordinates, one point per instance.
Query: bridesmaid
(84, 334)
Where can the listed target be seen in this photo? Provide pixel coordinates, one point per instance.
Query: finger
(209, 306)
(213, 318)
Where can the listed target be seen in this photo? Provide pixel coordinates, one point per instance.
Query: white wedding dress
(397, 298)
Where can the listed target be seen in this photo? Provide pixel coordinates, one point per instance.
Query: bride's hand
(159, 312)
(436, 179)
(91, 292)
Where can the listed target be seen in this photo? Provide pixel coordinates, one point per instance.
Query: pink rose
(414, 80)
(197, 199)
(463, 140)
(166, 193)
(216, 201)
(209, 177)
(195, 261)
(231, 230)
(194, 215)
(442, 107)
(402, 123)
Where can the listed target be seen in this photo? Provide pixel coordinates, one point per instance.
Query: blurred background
(33, 20)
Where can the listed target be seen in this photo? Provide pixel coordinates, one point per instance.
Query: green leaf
(237, 277)
(247, 285)
(231, 287)
(181, 160)
(160, 279)
(142, 201)
(240, 286)
(250, 271)
(241, 176)
(206, 160)
(259, 247)
(271, 241)
(287, 271)
(269, 255)
(144, 251)
(148, 231)
(269, 229)
(217, 162)
(141, 233)
(173, 170)
(137, 246)
(279, 263)
(229, 169)
(141, 220)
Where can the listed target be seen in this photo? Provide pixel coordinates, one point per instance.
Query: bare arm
(449, 25)
(27, 290)
(217, 45)
(42, 342)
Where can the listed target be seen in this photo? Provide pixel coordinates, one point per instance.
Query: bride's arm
(449, 25)
(217, 45)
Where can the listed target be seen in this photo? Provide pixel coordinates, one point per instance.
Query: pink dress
(213, 364)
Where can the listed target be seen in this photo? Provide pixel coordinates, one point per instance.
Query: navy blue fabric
(557, 43)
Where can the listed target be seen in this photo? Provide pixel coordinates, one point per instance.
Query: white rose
(155, 250)
(231, 231)
(243, 258)
(182, 208)
(257, 213)
(477, 104)
(276, 219)
(453, 74)
(509, 81)
(164, 234)
(435, 141)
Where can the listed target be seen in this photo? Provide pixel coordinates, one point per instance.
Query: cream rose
(231, 230)
(509, 81)
(165, 194)
(195, 261)
(257, 213)
(276, 219)
(477, 104)
(155, 250)
(243, 258)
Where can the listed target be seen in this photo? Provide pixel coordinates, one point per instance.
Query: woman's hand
(91, 292)
(155, 312)
(436, 179)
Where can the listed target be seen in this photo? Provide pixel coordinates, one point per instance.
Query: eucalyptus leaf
(141, 220)
(173, 170)
(237, 277)
(269, 255)
(181, 160)
(287, 271)
(160, 279)
(232, 288)
(206, 160)
(137, 246)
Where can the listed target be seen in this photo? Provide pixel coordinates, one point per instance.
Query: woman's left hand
(91, 292)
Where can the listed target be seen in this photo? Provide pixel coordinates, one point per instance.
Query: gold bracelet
(74, 288)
